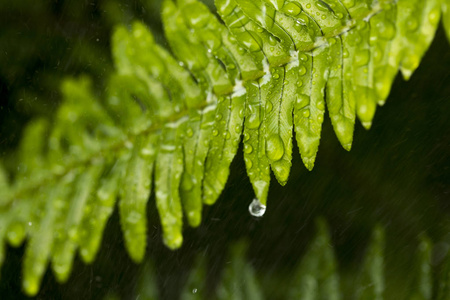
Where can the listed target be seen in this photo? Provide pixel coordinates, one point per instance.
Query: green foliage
(315, 278)
(176, 123)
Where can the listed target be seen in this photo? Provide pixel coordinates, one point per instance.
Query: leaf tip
(30, 286)
(367, 124)
(194, 218)
(309, 162)
(173, 240)
(281, 170)
(16, 234)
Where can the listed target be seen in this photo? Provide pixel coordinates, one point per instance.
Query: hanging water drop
(256, 208)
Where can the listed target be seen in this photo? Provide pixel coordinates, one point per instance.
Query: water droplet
(276, 76)
(248, 148)
(349, 3)
(215, 132)
(189, 132)
(378, 54)
(251, 41)
(321, 105)
(308, 5)
(303, 19)
(303, 57)
(269, 106)
(321, 6)
(412, 24)
(253, 121)
(386, 30)
(302, 71)
(237, 129)
(194, 291)
(256, 208)
(274, 147)
(248, 163)
(246, 136)
(196, 18)
(292, 9)
(362, 57)
(272, 40)
(219, 117)
(306, 113)
(433, 16)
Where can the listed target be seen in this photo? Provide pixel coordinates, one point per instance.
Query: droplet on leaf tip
(367, 125)
(256, 208)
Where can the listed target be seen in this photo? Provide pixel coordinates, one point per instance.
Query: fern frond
(270, 68)
(371, 283)
(317, 275)
(422, 284)
(446, 16)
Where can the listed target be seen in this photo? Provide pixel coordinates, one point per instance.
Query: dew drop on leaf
(256, 208)
(248, 148)
(274, 147)
(292, 9)
(269, 106)
(189, 132)
(302, 71)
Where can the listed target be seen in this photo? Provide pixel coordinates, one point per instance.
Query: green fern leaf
(422, 286)
(446, 16)
(371, 283)
(195, 286)
(444, 280)
(238, 279)
(267, 70)
(147, 288)
(316, 276)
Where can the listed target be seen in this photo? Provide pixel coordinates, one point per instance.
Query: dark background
(397, 174)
